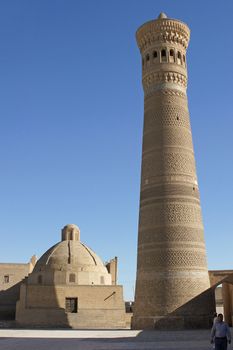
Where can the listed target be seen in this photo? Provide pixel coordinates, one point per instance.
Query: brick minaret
(171, 267)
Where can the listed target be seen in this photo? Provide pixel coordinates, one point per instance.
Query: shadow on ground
(145, 340)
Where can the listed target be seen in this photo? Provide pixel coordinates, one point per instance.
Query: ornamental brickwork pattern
(171, 266)
(172, 234)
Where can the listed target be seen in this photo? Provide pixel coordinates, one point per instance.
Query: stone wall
(11, 276)
(97, 306)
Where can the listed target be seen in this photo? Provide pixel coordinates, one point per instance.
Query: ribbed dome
(67, 255)
(70, 254)
(70, 261)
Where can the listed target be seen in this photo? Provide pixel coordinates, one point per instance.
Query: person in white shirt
(220, 334)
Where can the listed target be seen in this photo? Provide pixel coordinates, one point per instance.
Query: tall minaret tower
(171, 267)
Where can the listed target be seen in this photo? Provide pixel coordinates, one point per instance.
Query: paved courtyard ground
(15, 339)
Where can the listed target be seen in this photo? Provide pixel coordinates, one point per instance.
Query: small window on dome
(72, 278)
(39, 279)
(101, 279)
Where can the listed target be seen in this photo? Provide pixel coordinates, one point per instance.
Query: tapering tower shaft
(171, 267)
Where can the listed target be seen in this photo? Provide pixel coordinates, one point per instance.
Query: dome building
(71, 287)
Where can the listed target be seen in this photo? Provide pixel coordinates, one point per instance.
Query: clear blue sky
(71, 113)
